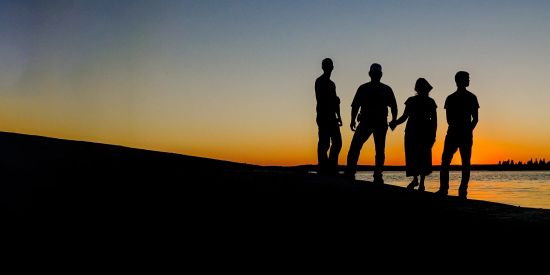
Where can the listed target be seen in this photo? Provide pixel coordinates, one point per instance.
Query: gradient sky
(234, 80)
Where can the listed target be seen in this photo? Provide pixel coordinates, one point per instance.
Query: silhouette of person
(372, 99)
(462, 116)
(420, 110)
(328, 120)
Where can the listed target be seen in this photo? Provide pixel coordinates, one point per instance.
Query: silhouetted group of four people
(370, 108)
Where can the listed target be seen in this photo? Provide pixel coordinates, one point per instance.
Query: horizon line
(362, 167)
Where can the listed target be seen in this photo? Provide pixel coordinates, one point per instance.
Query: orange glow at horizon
(235, 81)
(284, 149)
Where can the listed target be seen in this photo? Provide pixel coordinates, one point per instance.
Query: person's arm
(317, 92)
(354, 111)
(355, 104)
(403, 117)
(393, 105)
(434, 120)
(338, 111)
(474, 118)
(447, 112)
(434, 125)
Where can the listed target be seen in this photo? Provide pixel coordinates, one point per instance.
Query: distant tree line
(537, 164)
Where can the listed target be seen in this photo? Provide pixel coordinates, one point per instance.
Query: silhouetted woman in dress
(420, 110)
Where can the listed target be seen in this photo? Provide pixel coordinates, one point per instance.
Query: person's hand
(340, 122)
(393, 124)
(352, 125)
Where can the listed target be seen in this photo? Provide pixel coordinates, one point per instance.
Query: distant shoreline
(475, 167)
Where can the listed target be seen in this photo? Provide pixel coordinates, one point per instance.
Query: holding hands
(393, 124)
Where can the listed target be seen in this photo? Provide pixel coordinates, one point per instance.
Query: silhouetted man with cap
(328, 120)
(372, 99)
(462, 116)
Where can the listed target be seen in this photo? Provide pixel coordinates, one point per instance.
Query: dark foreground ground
(103, 191)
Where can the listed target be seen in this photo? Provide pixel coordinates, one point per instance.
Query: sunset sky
(234, 80)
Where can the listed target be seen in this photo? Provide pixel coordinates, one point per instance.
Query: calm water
(520, 188)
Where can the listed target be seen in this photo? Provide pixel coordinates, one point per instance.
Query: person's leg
(335, 148)
(380, 156)
(322, 148)
(359, 138)
(449, 150)
(413, 183)
(465, 155)
(421, 186)
(410, 153)
(411, 159)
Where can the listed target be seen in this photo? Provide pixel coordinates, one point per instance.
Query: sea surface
(519, 188)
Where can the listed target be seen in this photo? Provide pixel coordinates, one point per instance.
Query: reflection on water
(520, 188)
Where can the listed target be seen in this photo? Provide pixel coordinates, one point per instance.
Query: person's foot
(331, 172)
(349, 176)
(421, 188)
(462, 194)
(413, 184)
(378, 180)
(441, 192)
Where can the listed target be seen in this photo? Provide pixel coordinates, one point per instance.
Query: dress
(420, 134)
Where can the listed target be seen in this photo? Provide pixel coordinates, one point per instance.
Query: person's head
(462, 79)
(327, 65)
(422, 87)
(375, 72)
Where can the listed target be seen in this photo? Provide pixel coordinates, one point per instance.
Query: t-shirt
(327, 101)
(374, 98)
(421, 111)
(460, 106)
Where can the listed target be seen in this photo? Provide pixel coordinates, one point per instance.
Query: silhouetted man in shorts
(328, 120)
(462, 116)
(372, 99)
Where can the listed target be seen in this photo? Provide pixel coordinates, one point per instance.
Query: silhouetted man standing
(462, 117)
(373, 99)
(328, 120)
